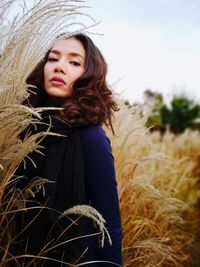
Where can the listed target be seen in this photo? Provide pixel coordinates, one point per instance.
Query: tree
(181, 113)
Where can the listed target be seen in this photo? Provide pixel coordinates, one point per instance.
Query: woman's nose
(59, 67)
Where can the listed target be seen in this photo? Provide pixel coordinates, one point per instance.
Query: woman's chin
(58, 92)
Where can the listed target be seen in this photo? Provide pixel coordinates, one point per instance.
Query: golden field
(159, 190)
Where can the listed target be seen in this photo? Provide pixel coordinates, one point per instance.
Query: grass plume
(156, 232)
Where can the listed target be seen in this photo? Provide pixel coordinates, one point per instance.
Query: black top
(101, 188)
(81, 168)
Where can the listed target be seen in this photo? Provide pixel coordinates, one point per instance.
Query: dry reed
(184, 153)
(155, 232)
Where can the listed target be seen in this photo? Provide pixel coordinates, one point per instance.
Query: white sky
(149, 44)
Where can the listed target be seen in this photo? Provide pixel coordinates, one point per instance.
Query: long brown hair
(91, 101)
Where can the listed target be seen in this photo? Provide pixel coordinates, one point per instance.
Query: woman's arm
(101, 188)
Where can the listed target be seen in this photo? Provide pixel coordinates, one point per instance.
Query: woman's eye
(52, 59)
(75, 63)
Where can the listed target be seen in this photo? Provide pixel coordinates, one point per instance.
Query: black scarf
(62, 164)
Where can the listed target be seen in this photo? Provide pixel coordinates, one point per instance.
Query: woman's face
(65, 64)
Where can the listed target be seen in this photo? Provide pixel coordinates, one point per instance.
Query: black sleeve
(101, 189)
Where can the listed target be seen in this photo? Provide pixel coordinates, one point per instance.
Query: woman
(79, 164)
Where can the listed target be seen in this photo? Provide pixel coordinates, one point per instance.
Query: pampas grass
(95, 216)
(183, 151)
(156, 232)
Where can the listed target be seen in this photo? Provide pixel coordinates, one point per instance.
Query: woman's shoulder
(91, 130)
(93, 135)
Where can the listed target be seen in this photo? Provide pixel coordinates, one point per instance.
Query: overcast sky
(149, 44)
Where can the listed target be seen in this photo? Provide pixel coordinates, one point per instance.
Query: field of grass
(159, 189)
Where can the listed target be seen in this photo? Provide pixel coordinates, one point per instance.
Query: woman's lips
(57, 81)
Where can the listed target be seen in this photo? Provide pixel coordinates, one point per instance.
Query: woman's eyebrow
(71, 54)
(55, 52)
(74, 54)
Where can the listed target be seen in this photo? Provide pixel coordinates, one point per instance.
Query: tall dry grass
(156, 231)
(184, 153)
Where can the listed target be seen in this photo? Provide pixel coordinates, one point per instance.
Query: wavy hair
(91, 101)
